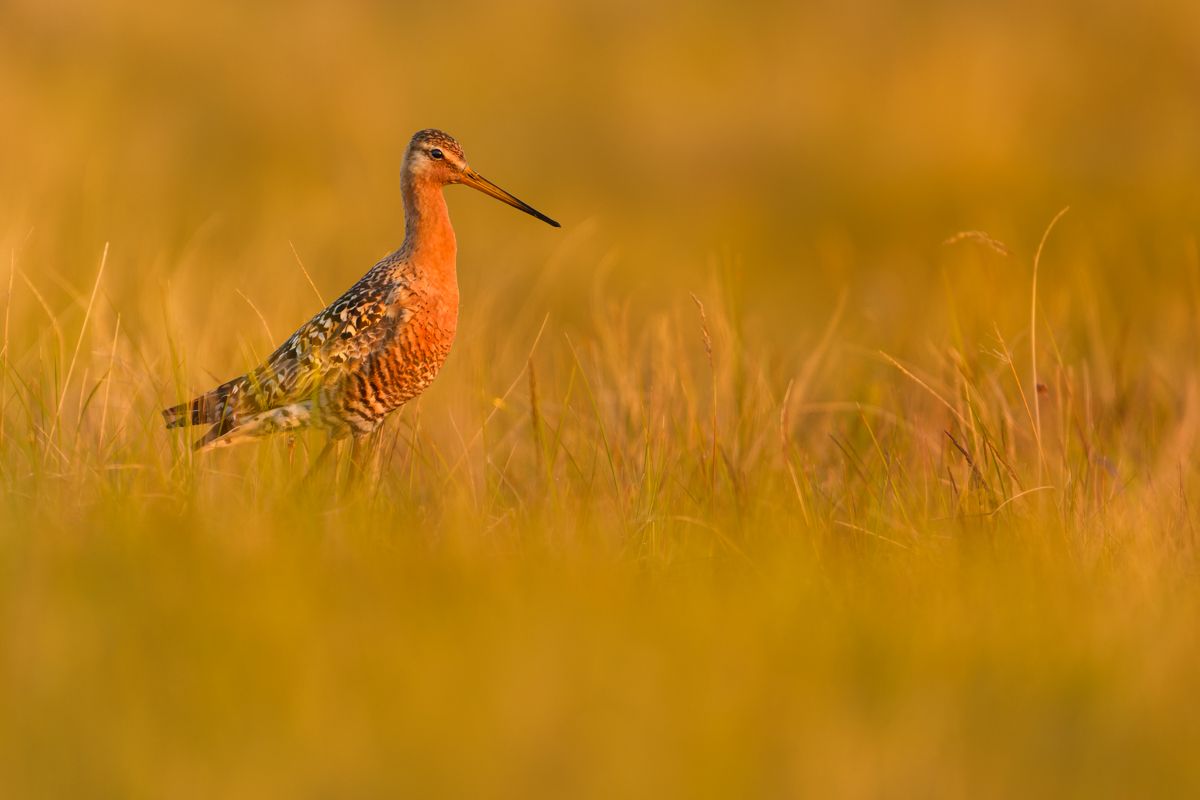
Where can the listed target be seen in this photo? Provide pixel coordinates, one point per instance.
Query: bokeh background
(797, 138)
(775, 580)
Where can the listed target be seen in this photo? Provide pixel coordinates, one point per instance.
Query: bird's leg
(360, 457)
(314, 468)
(330, 443)
(291, 446)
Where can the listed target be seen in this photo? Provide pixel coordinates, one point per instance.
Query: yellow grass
(810, 458)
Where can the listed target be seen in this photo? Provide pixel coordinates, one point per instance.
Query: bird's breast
(411, 360)
(434, 291)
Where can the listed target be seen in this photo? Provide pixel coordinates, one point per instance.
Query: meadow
(841, 444)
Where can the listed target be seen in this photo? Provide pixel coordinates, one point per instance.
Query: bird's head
(437, 156)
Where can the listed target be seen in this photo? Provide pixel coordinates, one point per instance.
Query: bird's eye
(435, 153)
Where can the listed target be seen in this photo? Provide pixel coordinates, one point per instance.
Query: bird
(378, 345)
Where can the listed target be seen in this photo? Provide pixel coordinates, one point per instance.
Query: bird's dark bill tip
(533, 212)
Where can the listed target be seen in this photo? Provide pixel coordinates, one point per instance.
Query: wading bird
(377, 346)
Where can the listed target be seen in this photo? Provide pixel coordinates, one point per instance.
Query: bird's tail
(182, 414)
(209, 407)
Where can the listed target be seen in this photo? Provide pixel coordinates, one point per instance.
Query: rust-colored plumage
(378, 345)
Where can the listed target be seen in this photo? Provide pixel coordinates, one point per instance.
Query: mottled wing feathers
(334, 340)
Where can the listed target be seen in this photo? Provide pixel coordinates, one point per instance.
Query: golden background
(855, 551)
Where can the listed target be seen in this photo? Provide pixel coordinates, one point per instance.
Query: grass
(843, 503)
(639, 559)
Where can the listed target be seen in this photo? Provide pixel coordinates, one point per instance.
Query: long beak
(473, 179)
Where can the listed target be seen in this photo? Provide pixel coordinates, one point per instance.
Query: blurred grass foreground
(770, 475)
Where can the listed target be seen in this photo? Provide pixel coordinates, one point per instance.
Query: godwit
(377, 346)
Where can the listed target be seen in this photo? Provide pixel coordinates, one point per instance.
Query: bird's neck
(428, 237)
